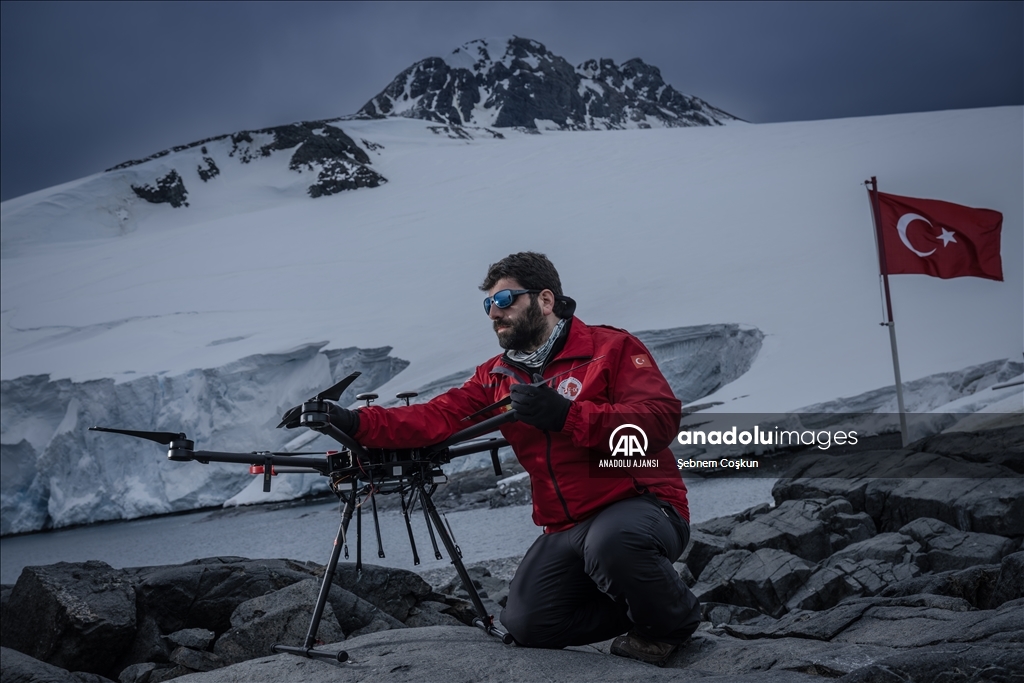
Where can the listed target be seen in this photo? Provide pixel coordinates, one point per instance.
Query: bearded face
(524, 331)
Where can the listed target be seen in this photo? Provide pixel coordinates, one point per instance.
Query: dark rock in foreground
(971, 481)
(74, 616)
(204, 593)
(149, 624)
(278, 617)
(17, 667)
(442, 654)
(949, 548)
(806, 590)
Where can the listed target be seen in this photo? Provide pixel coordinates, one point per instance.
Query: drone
(356, 474)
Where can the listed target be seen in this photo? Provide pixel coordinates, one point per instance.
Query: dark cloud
(88, 85)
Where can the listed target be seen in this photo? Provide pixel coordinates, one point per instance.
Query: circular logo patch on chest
(570, 387)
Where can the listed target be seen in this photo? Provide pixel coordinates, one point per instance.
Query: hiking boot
(635, 646)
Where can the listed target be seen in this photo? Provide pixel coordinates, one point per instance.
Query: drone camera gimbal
(356, 475)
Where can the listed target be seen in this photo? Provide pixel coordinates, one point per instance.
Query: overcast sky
(86, 86)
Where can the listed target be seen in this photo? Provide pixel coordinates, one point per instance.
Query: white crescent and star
(906, 219)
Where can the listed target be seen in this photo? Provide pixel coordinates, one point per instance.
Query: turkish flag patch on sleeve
(642, 361)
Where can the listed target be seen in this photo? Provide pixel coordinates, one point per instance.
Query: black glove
(344, 419)
(540, 406)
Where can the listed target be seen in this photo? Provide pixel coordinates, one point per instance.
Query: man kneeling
(603, 566)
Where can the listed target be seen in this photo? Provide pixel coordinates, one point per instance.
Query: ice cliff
(56, 473)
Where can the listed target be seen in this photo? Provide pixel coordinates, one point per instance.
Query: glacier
(56, 473)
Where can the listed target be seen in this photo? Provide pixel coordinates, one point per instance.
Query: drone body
(356, 475)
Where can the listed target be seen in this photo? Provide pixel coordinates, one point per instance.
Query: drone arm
(344, 439)
(487, 426)
(279, 462)
(477, 447)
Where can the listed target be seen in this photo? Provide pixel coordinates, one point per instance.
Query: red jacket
(625, 386)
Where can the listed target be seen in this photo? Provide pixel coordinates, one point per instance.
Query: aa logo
(628, 440)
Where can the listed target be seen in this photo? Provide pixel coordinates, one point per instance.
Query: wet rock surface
(278, 617)
(971, 481)
(150, 624)
(820, 586)
(948, 548)
(75, 616)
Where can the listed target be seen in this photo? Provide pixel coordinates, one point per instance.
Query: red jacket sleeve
(427, 423)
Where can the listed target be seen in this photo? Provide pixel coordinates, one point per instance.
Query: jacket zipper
(547, 435)
(554, 482)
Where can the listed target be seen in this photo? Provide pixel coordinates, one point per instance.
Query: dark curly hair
(528, 268)
(532, 271)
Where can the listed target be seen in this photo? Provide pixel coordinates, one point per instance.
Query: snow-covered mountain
(469, 93)
(517, 82)
(745, 252)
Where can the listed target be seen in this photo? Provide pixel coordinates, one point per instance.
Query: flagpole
(890, 323)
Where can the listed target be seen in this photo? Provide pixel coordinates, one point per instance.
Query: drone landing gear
(321, 601)
(483, 621)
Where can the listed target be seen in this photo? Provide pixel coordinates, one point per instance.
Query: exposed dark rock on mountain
(169, 189)
(209, 168)
(320, 147)
(519, 83)
(944, 387)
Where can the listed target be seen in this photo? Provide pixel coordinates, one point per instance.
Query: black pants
(604, 576)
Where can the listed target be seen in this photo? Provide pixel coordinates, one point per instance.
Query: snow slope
(764, 226)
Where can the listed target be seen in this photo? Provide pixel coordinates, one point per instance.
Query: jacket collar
(578, 346)
(580, 343)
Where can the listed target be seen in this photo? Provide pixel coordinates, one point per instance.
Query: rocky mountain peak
(518, 83)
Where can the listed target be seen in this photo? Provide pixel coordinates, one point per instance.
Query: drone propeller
(330, 394)
(335, 392)
(292, 414)
(164, 438)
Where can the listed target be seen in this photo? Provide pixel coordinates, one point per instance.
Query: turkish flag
(940, 239)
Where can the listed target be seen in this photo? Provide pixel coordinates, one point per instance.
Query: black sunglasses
(505, 298)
